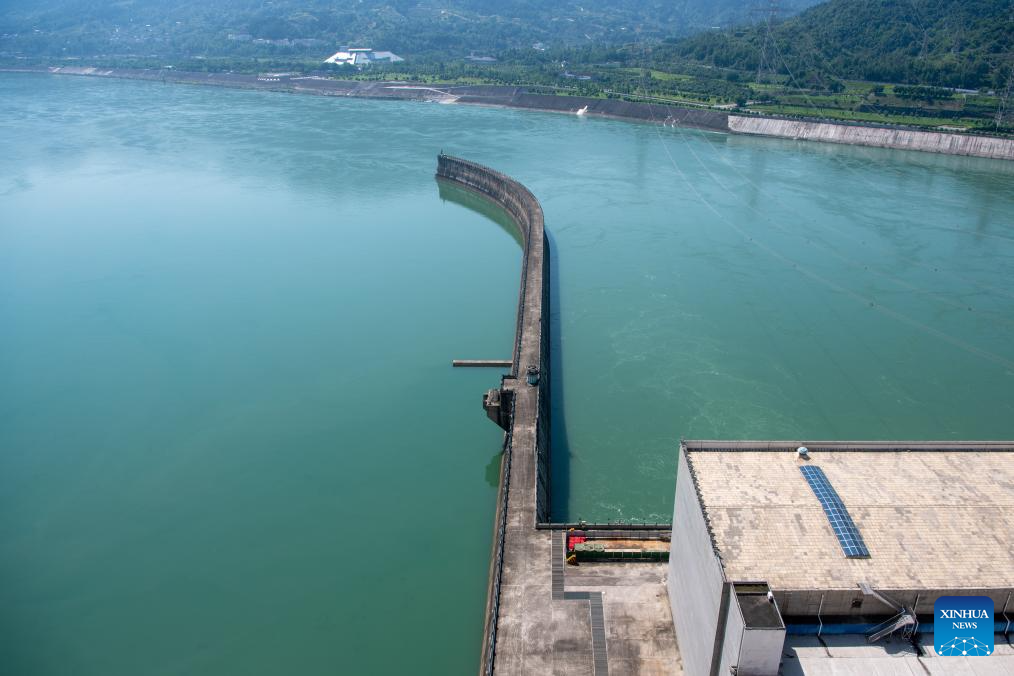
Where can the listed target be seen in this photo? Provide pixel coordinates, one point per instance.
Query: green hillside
(950, 43)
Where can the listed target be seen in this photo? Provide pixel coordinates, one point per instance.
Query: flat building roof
(932, 515)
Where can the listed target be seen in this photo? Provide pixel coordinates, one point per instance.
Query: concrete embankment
(879, 137)
(522, 402)
(628, 110)
(519, 97)
(487, 95)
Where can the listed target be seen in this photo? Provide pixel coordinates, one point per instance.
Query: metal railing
(489, 648)
(608, 525)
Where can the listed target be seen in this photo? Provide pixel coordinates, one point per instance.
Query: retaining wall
(628, 110)
(900, 139)
(524, 494)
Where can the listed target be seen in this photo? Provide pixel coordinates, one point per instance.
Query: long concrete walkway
(544, 617)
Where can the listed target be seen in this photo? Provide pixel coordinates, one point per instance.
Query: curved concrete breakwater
(537, 621)
(521, 405)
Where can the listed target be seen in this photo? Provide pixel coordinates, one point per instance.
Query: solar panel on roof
(841, 521)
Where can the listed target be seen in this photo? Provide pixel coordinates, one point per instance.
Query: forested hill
(948, 43)
(455, 27)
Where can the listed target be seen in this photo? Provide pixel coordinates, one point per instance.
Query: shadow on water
(450, 192)
(560, 444)
(480, 205)
(493, 470)
(559, 441)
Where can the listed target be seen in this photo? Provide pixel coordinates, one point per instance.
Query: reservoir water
(230, 438)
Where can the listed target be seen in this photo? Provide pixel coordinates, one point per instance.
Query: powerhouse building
(776, 539)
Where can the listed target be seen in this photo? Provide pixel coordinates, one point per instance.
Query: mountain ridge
(88, 27)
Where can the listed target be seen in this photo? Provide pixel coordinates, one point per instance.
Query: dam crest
(540, 618)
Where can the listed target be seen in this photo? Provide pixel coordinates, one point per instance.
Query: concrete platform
(640, 638)
(542, 635)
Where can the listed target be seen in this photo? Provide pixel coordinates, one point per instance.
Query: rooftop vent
(803, 452)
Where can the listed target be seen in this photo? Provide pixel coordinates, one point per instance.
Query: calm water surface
(230, 439)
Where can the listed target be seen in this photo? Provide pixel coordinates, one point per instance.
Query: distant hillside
(948, 43)
(231, 27)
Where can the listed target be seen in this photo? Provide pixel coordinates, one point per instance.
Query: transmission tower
(1004, 96)
(1002, 110)
(769, 12)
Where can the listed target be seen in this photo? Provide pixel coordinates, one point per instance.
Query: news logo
(963, 626)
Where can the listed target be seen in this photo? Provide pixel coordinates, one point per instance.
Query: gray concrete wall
(695, 577)
(735, 628)
(761, 652)
(900, 139)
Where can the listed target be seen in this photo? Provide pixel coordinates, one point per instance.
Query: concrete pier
(543, 617)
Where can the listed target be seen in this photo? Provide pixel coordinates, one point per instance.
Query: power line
(771, 11)
(1001, 108)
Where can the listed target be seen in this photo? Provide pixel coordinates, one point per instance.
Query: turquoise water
(230, 438)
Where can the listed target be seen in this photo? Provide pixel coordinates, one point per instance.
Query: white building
(360, 57)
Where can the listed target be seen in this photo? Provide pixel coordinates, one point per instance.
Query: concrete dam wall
(531, 340)
(521, 405)
(880, 137)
